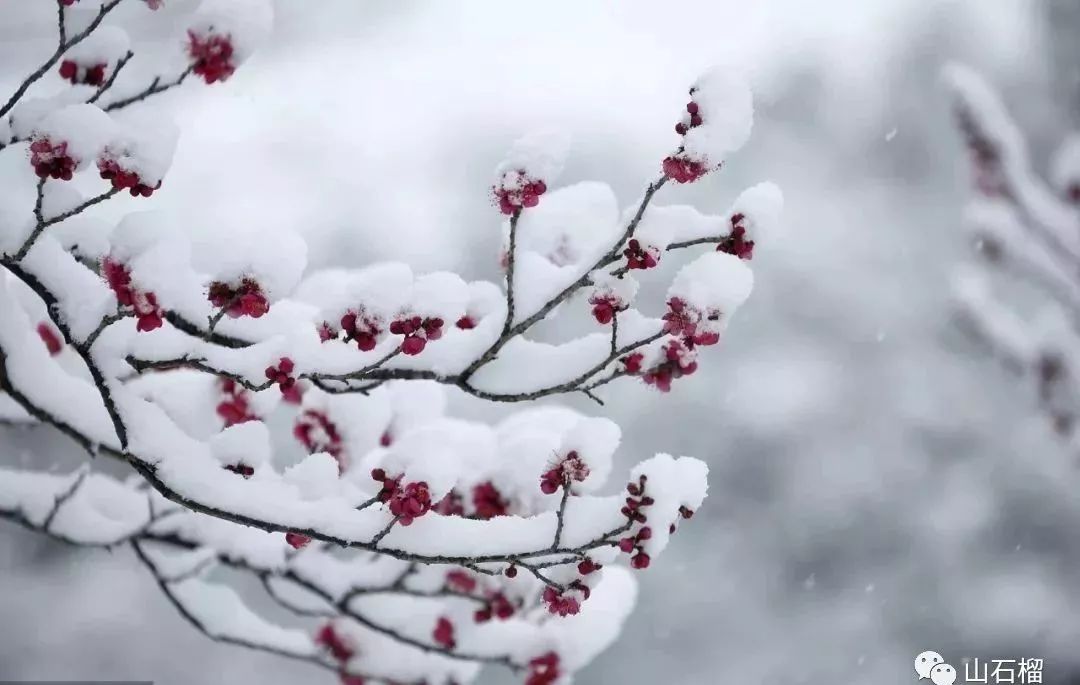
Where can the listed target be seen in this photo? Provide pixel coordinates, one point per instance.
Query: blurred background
(880, 486)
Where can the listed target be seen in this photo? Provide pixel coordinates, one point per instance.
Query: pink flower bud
(297, 541)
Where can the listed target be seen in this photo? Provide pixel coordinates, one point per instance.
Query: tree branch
(608, 257)
(61, 26)
(420, 644)
(561, 515)
(510, 260)
(63, 47)
(112, 78)
(43, 223)
(165, 585)
(155, 87)
(149, 472)
(106, 321)
(52, 306)
(142, 366)
(62, 499)
(183, 325)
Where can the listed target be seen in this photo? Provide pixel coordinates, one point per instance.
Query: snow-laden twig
(1022, 226)
(397, 511)
(65, 44)
(156, 87)
(104, 88)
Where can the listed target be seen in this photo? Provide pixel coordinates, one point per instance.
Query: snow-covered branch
(465, 544)
(351, 601)
(1029, 230)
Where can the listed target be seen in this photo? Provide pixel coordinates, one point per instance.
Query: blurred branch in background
(1022, 295)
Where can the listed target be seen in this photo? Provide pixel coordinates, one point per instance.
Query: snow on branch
(1026, 232)
(375, 617)
(465, 544)
(1001, 165)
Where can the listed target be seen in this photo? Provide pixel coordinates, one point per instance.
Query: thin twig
(563, 561)
(609, 257)
(383, 533)
(105, 322)
(184, 326)
(43, 223)
(696, 241)
(61, 25)
(542, 578)
(267, 578)
(120, 64)
(561, 515)
(141, 365)
(615, 334)
(347, 389)
(592, 396)
(155, 87)
(213, 321)
(63, 47)
(39, 224)
(410, 569)
(572, 385)
(367, 503)
(623, 270)
(62, 498)
(80, 208)
(420, 644)
(358, 374)
(165, 586)
(510, 260)
(374, 372)
(604, 381)
(39, 201)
